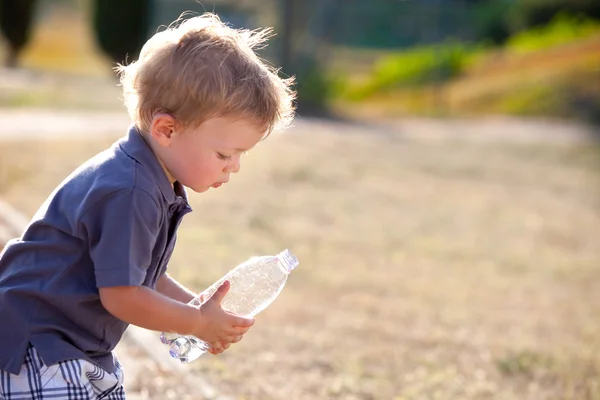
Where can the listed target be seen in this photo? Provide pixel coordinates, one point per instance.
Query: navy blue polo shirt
(112, 222)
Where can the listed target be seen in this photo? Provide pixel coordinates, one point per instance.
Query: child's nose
(233, 167)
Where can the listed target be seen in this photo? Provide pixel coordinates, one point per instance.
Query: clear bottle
(255, 284)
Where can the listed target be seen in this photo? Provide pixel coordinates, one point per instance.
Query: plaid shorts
(69, 380)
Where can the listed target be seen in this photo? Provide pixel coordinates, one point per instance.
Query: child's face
(204, 157)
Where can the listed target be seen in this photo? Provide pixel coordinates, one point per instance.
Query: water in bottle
(255, 284)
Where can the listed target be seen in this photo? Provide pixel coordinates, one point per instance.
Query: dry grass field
(438, 268)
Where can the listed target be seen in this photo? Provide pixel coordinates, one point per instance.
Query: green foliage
(563, 29)
(422, 66)
(316, 86)
(490, 21)
(495, 21)
(16, 18)
(414, 67)
(533, 13)
(121, 31)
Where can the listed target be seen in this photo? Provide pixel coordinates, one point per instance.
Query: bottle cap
(288, 260)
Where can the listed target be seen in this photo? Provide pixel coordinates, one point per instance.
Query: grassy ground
(434, 269)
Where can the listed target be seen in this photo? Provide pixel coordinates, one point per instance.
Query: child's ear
(162, 129)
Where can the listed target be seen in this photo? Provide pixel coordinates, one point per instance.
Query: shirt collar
(137, 148)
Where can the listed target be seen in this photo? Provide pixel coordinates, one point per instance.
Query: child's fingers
(233, 338)
(235, 334)
(236, 331)
(242, 322)
(216, 347)
(236, 339)
(221, 292)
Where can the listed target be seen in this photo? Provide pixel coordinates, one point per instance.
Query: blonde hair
(202, 68)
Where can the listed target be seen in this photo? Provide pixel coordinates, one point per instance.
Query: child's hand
(218, 327)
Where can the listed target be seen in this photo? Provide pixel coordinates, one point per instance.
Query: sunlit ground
(430, 269)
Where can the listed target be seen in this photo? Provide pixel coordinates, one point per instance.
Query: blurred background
(439, 186)
(385, 58)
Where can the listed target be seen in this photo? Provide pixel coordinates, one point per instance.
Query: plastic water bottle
(255, 284)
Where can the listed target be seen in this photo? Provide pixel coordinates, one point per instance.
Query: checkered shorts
(69, 380)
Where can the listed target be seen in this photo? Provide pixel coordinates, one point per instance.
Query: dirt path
(20, 124)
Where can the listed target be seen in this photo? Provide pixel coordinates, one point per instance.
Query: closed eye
(223, 157)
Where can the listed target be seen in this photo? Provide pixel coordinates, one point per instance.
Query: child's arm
(144, 307)
(174, 290)
(121, 231)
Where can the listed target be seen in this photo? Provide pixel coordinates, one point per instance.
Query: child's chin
(200, 189)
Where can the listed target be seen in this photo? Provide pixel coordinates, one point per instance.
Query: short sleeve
(122, 230)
